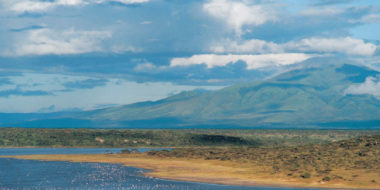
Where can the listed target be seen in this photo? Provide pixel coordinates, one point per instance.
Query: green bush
(327, 178)
(306, 175)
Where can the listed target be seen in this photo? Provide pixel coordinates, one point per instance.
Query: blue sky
(58, 55)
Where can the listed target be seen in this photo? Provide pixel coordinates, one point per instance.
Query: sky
(72, 55)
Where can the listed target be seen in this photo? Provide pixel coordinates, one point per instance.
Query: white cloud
(145, 67)
(131, 1)
(126, 2)
(248, 46)
(46, 41)
(43, 6)
(40, 6)
(322, 11)
(146, 22)
(370, 86)
(239, 13)
(372, 18)
(252, 61)
(123, 49)
(347, 45)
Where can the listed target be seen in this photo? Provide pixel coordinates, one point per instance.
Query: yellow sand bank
(216, 171)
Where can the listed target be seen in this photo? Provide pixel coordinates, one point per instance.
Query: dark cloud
(377, 52)
(201, 75)
(123, 67)
(31, 15)
(330, 2)
(120, 4)
(101, 106)
(19, 92)
(10, 73)
(4, 81)
(85, 84)
(53, 108)
(47, 109)
(32, 27)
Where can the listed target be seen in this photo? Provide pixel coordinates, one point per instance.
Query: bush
(125, 151)
(327, 178)
(306, 175)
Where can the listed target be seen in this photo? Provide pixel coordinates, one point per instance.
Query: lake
(32, 174)
(31, 151)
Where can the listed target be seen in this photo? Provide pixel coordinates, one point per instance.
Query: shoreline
(198, 170)
(137, 147)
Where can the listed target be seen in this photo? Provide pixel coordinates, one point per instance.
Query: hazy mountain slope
(312, 94)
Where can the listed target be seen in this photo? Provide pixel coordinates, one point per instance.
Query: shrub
(327, 178)
(306, 175)
(125, 151)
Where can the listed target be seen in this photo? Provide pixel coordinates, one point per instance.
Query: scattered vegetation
(343, 160)
(320, 157)
(21, 137)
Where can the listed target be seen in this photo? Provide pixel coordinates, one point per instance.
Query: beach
(213, 171)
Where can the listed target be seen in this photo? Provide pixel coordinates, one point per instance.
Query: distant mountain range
(309, 96)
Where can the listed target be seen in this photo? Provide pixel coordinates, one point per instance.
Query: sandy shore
(211, 171)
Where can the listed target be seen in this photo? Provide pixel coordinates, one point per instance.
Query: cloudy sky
(58, 55)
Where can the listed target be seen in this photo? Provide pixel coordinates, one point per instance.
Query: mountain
(312, 95)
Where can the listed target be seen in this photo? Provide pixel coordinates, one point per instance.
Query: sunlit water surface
(31, 174)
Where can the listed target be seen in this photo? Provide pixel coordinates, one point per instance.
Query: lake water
(30, 151)
(32, 174)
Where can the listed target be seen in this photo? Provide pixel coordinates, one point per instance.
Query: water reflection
(31, 174)
(30, 151)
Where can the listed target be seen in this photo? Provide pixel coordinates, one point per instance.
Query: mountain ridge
(250, 102)
(312, 95)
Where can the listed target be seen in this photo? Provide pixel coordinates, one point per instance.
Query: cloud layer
(94, 43)
(252, 61)
(371, 86)
(238, 14)
(346, 45)
(21, 6)
(46, 41)
(50, 92)
(343, 45)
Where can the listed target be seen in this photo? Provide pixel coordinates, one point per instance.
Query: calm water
(29, 151)
(31, 174)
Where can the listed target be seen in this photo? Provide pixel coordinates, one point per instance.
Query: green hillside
(310, 95)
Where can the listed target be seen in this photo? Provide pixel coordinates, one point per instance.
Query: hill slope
(310, 95)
